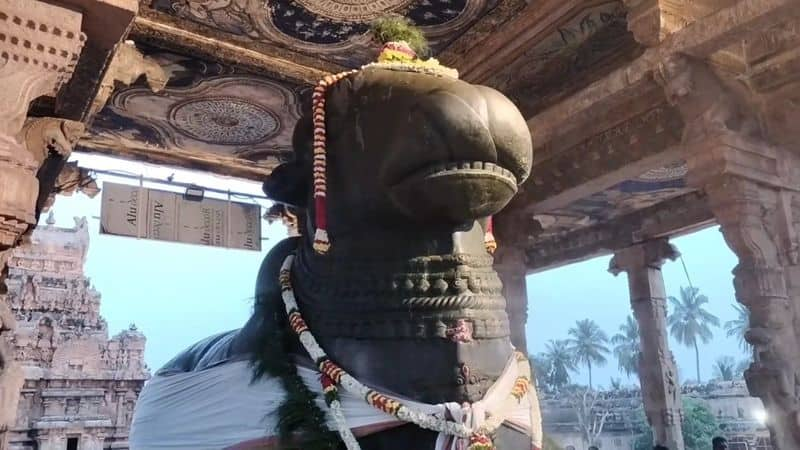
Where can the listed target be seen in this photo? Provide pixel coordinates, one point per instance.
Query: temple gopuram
(77, 387)
(650, 119)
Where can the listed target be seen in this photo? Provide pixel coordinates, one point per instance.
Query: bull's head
(408, 148)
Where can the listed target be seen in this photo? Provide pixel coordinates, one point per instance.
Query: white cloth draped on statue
(219, 408)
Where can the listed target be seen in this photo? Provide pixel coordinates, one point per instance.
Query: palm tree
(690, 322)
(560, 363)
(742, 366)
(626, 347)
(541, 368)
(725, 368)
(587, 344)
(737, 327)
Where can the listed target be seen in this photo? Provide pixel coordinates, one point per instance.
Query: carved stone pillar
(510, 261)
(39, 46)
(657, 369)
(753, 189)
(753, 192)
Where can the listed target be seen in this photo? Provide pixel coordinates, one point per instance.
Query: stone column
(758, 209)
(511, 267)
(657, 369)
(39, 46)
(753, 189)
(510, 262)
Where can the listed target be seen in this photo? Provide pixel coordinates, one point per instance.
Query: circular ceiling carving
(224, 121)
(353, 10)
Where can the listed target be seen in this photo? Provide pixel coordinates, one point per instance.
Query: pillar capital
(653, 253)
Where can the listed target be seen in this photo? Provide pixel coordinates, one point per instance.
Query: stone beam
(201, 161)
(680, 215)
(657, 370)
(529, 26)
(651, 21)
(700, 39)
(495, 22)
(623, 151)
(189, 38)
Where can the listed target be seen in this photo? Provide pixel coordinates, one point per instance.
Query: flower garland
(394, 56)
(332, 377)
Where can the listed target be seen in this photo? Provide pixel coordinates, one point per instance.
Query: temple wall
(80, 385)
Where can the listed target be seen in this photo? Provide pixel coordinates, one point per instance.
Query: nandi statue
(383, 326)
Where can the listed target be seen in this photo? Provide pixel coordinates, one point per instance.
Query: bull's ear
(290, 183)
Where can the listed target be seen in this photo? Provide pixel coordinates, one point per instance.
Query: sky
(177, 294)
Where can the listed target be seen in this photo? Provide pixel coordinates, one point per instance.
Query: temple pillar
(39, 47)
(657, 369)
(510, 262)
(753, 190)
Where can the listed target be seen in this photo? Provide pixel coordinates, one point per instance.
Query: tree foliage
(587, 343)
(626, 347)
(690, 323)
(738, 326)
(699, 426)
(557, 361)
(591, 412)
(725, 368)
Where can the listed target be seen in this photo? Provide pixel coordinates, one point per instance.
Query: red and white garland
(334, 377)
(394, 56)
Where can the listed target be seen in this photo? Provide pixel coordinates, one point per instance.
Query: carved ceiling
(648, 189)
(583, 48)
(331, 30)
(207, 109)
(232, 109)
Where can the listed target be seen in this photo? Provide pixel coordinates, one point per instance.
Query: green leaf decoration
(394, 28)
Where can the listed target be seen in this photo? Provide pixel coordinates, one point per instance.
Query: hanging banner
(145, 213)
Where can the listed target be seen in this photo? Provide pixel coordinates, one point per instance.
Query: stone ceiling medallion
(224, 121)
(230, 115)
(353, 10)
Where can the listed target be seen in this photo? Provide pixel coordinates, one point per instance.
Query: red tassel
(488, 237)
(321, 241)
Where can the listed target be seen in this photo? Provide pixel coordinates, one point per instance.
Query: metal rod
(176, 183)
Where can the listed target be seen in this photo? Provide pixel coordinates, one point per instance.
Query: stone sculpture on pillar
(752, 189)
(657, 369)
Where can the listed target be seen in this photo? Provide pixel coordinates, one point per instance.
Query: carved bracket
(128, 65)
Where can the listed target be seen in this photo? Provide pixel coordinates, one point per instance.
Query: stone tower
(80, 386)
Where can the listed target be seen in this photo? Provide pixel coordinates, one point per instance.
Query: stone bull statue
(405, 300)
